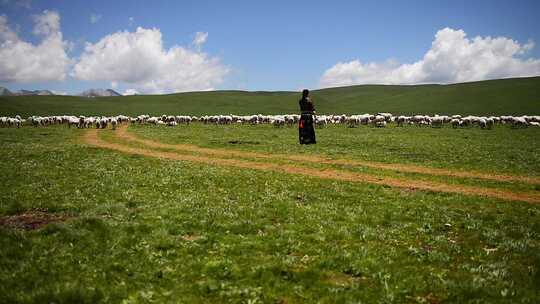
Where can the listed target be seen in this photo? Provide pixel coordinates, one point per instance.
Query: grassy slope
(260, 236)
(508, 96)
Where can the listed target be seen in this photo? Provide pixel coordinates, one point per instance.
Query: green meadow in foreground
(517, 96)
(140, 229)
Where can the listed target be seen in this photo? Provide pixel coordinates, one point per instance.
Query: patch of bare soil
(341, 279)
(91, 137)
(31, 220)
(190, 238)
(122, 133)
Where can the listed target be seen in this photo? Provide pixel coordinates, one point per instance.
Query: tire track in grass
(122, 133)
(91, 137)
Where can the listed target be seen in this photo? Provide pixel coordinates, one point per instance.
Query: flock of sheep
(375, 120)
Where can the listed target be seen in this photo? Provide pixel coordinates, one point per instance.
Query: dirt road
(91, 137)
(122, 133)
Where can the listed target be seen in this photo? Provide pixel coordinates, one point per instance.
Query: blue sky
(284, 45)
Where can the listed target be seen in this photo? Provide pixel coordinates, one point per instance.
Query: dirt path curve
(122, 133)
(91, 137)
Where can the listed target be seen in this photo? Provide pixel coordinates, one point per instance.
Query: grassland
(144, 229)
(518, 96)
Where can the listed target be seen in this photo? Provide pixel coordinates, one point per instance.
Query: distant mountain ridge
(99, 93)
(87, 93)
(6, 92)
(36, 92)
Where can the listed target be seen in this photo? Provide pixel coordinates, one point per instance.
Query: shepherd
(305, 124)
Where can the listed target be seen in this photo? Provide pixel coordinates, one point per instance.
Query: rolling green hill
(506, 96)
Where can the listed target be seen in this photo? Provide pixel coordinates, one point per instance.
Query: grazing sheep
(320, 121)
(380, 124)
(437, 122)
(278, 122)
(482, 123)
(519, 122)
(123, 118)
(152, 120)
(114, 123)
(489, 122)
(401, 120)
(73, 121)
(418, 120)
(88, 122)
(103, 123)
(466, 121)
(377, 120)
(353, 121)
(142, 118)
(387, 116)
(39, 121)
(14, 122)
(291, 119)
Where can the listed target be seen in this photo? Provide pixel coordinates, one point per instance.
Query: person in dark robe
(305, 124)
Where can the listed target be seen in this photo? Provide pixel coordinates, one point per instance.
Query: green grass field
(518, 96)
(144, 229)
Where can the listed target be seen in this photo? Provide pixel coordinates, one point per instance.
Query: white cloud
(47, 24)
(130, 92)
(138, 58)
(6, 33)
(200, 39)
(114, 84)
(452, 58)
(22, 61)
(94, 18)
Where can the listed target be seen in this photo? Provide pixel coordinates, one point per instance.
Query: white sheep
(152, 120)
(114, 122)
(401, 120)
(380, 124)
(278, 122)
(14, 122)
(320, 121)
(103, 123)
(378, 120)
(437, 121)
(73, 121)
(519, 122)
